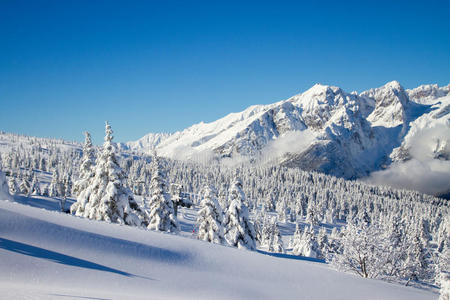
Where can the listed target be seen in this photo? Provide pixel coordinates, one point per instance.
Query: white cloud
(291, 142)
(422, 172)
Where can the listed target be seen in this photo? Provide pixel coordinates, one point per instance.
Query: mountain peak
(391, 101)
(395, 85)
(319, 88)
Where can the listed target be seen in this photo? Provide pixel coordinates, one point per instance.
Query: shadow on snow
(56, 257)
(289, 256)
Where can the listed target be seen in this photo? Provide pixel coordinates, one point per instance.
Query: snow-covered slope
(429, 134)
(428, 93)
(391, 102)
(148, 141)
(324, 129)
(422, 161)
(49, 255)
(9, 142)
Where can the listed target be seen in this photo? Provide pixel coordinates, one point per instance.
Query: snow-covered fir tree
(282, 210)
(35, 188)
(265, 230)
(312, 215)
(296, 239)
(107, 197)
(12, 185)
(443, 273)
(275, 241)
(87, 166)
(54, 187)
(307, 244)
(222, 198)
(322, 241)
(417, 258)
(67, 185)
(4, 188)
(209, 220)
(239, 230)
(159, 208)
(24, 185)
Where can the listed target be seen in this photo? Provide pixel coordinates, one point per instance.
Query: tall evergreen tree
(107, 197)
(87, 166)
(239, 230)
(53, 190)
(210, 218)
(35, 188)
(275, 242)
(4, 189)
(160, 210)
(13, 187)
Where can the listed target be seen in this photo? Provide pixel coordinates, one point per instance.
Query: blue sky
(160, 66)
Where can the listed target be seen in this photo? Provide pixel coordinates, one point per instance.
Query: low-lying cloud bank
(291, 142)
(429, 177)
(424, 172)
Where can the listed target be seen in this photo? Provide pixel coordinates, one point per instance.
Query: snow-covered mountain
(148, 141)
(324, 129)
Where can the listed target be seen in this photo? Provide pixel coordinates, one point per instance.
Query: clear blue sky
(67, 66)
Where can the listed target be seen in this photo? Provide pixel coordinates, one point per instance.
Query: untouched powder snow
(50, 255)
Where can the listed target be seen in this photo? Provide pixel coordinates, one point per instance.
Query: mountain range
(324, 129)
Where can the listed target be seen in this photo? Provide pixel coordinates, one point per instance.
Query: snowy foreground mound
(49, 255)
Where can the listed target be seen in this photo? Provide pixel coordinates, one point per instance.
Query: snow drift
(49, 255)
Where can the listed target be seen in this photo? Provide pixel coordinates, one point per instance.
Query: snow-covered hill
(324, 129)
(50, 255)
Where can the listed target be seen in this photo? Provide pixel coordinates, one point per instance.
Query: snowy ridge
(391, 101)
(49, 255)
(323, 129)
(148, 141)
(428, 93)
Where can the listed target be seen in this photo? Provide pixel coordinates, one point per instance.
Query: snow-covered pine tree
(35, 189)
(12, 185)
(25, 185)
(239, 230)
(281, 209)
(107, 197)
(53, 190)
(296, 239)
(4, 189)
(445, 287)
(87, 166)
(443, 273)
(307, 244)
(210, 218)
(395, 237)
(266, 231)
(322, 240)
(416, 263)
(160, 211)
(275, 242)
(312, 215)
(67, 184)
(222, 198)
(443, 234)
